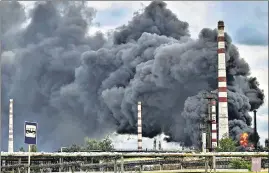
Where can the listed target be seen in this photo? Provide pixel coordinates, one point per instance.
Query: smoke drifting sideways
(75, 85)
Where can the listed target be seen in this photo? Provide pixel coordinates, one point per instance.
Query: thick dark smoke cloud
(75, 85)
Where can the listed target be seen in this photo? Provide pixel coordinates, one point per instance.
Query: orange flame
(244, 139)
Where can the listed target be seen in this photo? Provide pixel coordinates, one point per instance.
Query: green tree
(33, 148)
(103, 145)
(21, 149)
(240, 164)
(72, 148)
(106, 144)
(226, 145)
(91, 144)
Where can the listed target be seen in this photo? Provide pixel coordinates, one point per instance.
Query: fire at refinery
(244, 139)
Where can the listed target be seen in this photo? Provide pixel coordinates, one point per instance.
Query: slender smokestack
(10, 128)
(213, 125)
(203, 142)
(139, 126)
(255, 130)
(222, 85)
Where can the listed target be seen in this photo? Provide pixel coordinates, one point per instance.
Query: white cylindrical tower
(10, 127)
(222, 85)
(213, 125)
(203, 142)
(139, 126)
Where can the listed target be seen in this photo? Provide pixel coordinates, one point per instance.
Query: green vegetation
(91, 144)
(33, 149)
(21, 149)
(241, 164)
(226, 145)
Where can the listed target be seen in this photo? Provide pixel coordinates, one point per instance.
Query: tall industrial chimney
(139, 126)
(10, 128)
(214, 143)
(222, 85)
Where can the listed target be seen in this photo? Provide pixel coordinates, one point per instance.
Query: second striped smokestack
(10, 127)
(139, 126)
(222, 85)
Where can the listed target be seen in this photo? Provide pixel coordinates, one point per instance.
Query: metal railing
(115, 162)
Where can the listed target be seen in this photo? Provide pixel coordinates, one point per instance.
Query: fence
(125, 162)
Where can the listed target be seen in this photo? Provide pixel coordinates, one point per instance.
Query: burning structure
(244, 139)
(61, 77)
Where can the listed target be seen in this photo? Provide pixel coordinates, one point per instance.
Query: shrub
(240, 164)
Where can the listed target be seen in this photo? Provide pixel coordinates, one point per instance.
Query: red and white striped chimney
(214, 141)
(139, 126)
(10, 127)
(222, 85)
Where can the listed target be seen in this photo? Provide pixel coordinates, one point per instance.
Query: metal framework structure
(113, 160)
(136, 154)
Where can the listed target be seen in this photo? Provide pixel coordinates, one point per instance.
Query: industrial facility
(218, 120)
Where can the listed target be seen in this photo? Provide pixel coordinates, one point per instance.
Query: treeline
(90, 145)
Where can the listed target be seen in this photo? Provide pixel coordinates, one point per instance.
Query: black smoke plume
(75, 85)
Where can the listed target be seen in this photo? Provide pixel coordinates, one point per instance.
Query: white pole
(29, 161)
(203, 142)
(10, 128)
(139, 126)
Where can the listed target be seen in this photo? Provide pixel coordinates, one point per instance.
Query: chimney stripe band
(221, 38)
(221, 50)
(222, 89)
(222, 79)
(214, 140)
(222, 99)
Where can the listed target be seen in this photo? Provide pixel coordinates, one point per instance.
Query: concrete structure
(203, 142)
(214, 135)
(10, 127)
(222, 85)
(139, 126)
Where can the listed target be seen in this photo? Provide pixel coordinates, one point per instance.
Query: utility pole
(209, 97)
(154, 144)
(160, 145)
